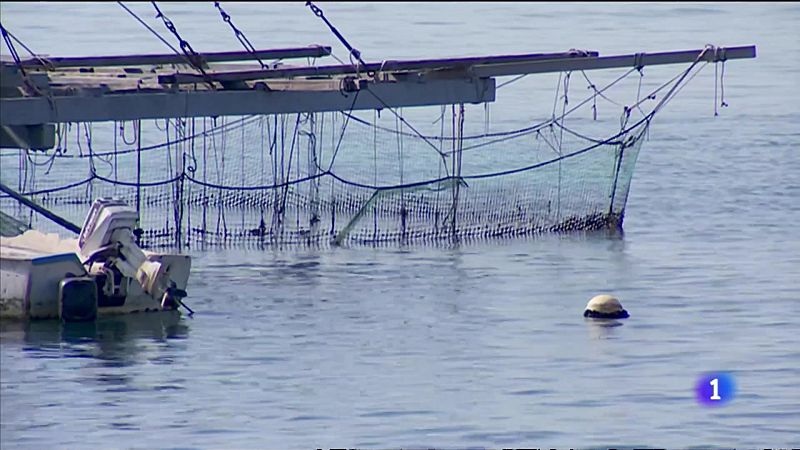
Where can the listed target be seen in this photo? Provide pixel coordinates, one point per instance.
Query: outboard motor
(107, 248)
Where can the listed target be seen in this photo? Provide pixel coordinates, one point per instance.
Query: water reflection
(116, 340)
(603, 328)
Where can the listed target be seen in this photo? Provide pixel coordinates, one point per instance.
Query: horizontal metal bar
(314, 51)
(385, 66)
(132, 106)
(609, 62)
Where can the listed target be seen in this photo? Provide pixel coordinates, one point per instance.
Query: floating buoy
(605, 307)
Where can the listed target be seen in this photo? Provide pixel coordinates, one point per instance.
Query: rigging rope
(42, 60)
(155, 33)
(416, 133)
(341, 136)
(13, 52)
(525, 130)
(25, 77)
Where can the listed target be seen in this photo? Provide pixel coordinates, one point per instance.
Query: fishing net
(365, 177)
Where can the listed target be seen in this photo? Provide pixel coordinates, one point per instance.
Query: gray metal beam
(386, 66)
(132, 106)
(609, 62)
(314, 51)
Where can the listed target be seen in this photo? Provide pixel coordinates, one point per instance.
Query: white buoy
(605, 307)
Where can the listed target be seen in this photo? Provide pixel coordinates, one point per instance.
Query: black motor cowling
(77, 299)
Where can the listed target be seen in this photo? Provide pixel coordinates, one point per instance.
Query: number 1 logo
(715, 384)
(715, 389)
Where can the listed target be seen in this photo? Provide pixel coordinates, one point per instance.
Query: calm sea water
(480, 344)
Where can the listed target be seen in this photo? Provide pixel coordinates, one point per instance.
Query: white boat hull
(31, 270)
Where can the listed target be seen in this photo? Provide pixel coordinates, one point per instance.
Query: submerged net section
(342, 177)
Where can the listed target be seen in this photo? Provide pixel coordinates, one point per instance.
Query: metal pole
(138, 176)
(55, 218)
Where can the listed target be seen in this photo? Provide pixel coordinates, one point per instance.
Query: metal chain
(194, 59)
(353, 51)
(239, 35)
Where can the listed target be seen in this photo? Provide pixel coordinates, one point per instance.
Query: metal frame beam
(609, 62)
(385, 66)
(488, 66)
(314, 51)
(132, 106)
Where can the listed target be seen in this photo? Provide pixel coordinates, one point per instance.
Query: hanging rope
(639, 90)
(722, 85)
(525, 130)
(239, 35)
(719, 79)
(416, 133)
(341, 135)
(122, 134)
